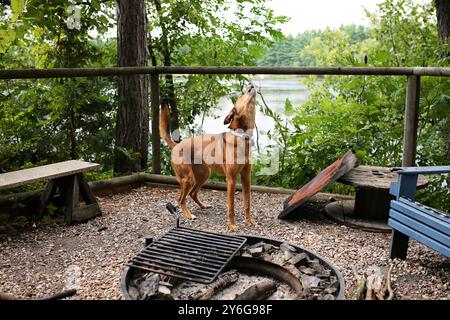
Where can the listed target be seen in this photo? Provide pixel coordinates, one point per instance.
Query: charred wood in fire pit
(222, 281)
(259, 291)
(256, 252)
(287, 247)
(309, 281)
(147, 288)
(267, 247)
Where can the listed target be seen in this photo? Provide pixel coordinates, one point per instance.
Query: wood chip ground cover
(90, 256)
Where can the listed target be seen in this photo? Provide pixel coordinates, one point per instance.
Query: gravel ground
(90, 256)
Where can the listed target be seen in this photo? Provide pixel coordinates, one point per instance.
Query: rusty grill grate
(189, 254)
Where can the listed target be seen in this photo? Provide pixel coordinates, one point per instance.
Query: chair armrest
(421, 170)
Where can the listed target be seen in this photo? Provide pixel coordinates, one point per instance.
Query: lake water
(275, 93)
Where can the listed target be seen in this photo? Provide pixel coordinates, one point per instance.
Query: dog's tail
(164, 119)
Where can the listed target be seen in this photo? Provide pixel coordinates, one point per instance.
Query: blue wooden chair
(410, 219)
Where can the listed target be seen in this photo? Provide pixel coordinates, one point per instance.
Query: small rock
(330, 290)
(296, 259)
(256, 251)
(149, 287)
(101, 228)
(133, 292)
(323, 274)
(256, 245)
(309, 281)
(287, 255)
(306, 270)
(268, 247)
(164, 290)
(287, 247)
(166, 284)
(315, 264)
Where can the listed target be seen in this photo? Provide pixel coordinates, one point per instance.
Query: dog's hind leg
(185, 187)
(231, 189)
(246, 183)
(201, 175)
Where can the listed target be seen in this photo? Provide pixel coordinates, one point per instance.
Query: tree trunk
(443, 19)
(132, 126)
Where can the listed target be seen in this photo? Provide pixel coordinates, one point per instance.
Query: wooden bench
(410, 219)
(67, 176)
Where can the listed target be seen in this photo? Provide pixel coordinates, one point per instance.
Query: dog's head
(242, 116)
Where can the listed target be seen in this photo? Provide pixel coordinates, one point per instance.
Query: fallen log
(218, 185)
(259, 291)
(222, 281)
(125, 183)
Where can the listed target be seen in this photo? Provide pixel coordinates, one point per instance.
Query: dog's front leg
(231, 189)
(246, 183)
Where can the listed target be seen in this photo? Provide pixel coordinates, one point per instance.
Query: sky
(319, 14)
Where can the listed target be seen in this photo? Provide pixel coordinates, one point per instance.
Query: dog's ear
(230, 116)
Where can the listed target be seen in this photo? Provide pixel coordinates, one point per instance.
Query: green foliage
(206, 33)
(50, 120)
(299, 50)
(56, 119)
(366, 113)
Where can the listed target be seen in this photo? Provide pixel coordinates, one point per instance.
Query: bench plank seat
(43, 173)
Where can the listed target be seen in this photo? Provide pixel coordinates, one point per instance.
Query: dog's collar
(242, 134)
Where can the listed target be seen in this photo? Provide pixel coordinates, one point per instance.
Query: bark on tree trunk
(132, 126)
(443, 19)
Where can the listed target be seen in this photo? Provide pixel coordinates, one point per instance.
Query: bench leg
(85, 190)
(47, 196)
(399, 245)
(70, 191)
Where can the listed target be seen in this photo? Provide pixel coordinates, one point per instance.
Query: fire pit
(262, 269)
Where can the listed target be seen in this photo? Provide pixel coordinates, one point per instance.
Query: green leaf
(17, 7)
(288, 107)
(7, 36)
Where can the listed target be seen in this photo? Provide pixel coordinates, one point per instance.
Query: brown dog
(228, 153)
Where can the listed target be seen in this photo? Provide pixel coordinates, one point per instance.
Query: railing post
(156, 141)
(411, 121)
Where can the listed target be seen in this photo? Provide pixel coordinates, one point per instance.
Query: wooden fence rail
(119, 71)
(411, 104)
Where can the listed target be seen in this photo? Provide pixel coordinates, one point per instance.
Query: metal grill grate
(189, 254)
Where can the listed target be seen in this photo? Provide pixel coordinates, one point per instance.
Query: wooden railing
(413, 75)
